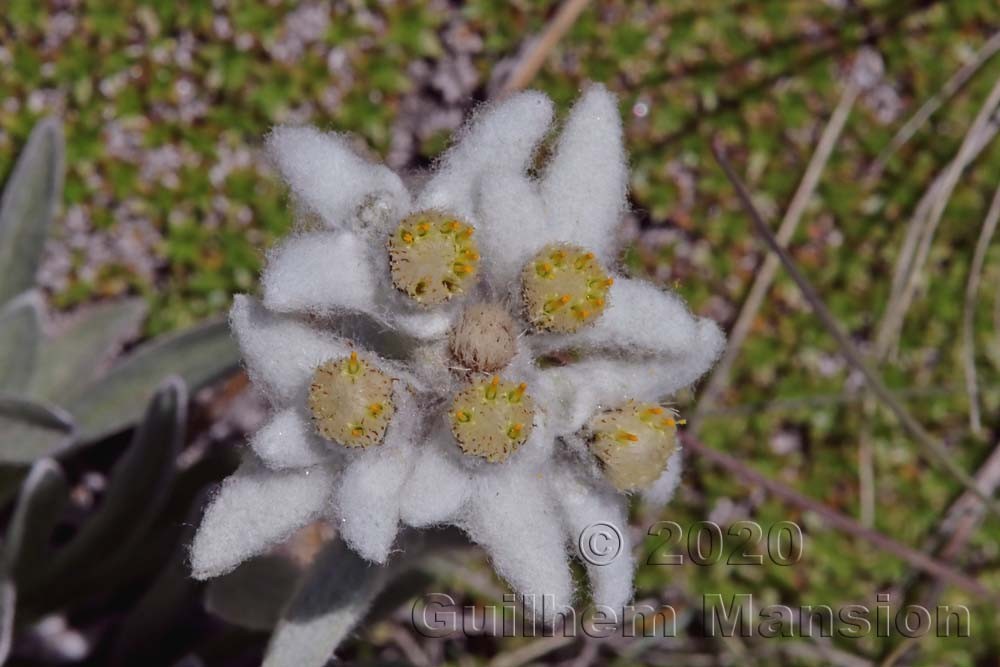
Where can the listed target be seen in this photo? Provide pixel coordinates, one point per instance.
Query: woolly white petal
(254, 509)
(640, 319)
(573, 393)
(439, 486)
(367, 500)
(514, 225)
(330, 273)
(328, 176)
(597, 523)
(512, 518)
(288, 440)
(499, 138)
(280, 352)
(663, 489)
(584, 185)
(320, 272)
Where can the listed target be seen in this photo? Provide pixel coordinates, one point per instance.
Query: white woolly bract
(663, 489)
(254, 509)
(584, 185)
(366, 501)
(528, 511)
(439, 485)
(320, 272)
(328, 177)
(498, 139)
(584, 507)
(280, 352)
(579, 389)
(511, 517)
(288, 440)
(641, 319)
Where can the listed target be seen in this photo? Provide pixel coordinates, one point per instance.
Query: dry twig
(925, 221)
(968, 312)
(853, 356)
(916, 558)
(531, 652)
(790, 222)
(927, 109)
(533, 60)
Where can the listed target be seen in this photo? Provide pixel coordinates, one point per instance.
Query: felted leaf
(340, 590)
(145, 635)
(31, 430)
(39, 504)
(29, 200)
(198, 356)
(136, 490)
(254, 594)
(72, 359)
(20, 333)
(8, 600)
(332, 599)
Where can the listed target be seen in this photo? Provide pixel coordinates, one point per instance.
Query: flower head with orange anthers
(462, 356)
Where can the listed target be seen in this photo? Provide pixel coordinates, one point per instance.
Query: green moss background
(165, 104)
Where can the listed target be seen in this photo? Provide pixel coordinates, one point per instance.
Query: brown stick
(533, 60)
(789, 223)
(835, 519)
(969, 310)
(851, 353)
(952, 86)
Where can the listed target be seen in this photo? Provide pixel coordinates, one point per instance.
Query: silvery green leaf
(143, 637)
(137, 489)
(198, 356)
(11, 477)
(331, 600)
(29, 200)
(40, 503)
(253, 595)
(71, 359)
(8, 600)
(404, 587)
(30, 430)
(20, 335)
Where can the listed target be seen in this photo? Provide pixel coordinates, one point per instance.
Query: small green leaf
(253, 595)
(40, 503)
(20, 333)
(31, 430)
(29, 200)
(72, 358)
(198, 356)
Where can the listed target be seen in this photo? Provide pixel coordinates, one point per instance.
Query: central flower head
(484, 339)
(492, 418)
(432, 257)
(634, 442)
(565, 288)
(351, 402)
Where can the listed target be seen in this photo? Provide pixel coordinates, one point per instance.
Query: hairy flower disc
(634, 443)
(484, 339)
(565, 288)
(492, 418)
(432, 257)
(351, 402)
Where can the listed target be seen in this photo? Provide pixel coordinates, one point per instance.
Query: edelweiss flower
(466, 358)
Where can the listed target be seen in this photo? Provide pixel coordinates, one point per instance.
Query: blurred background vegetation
(167, 198)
